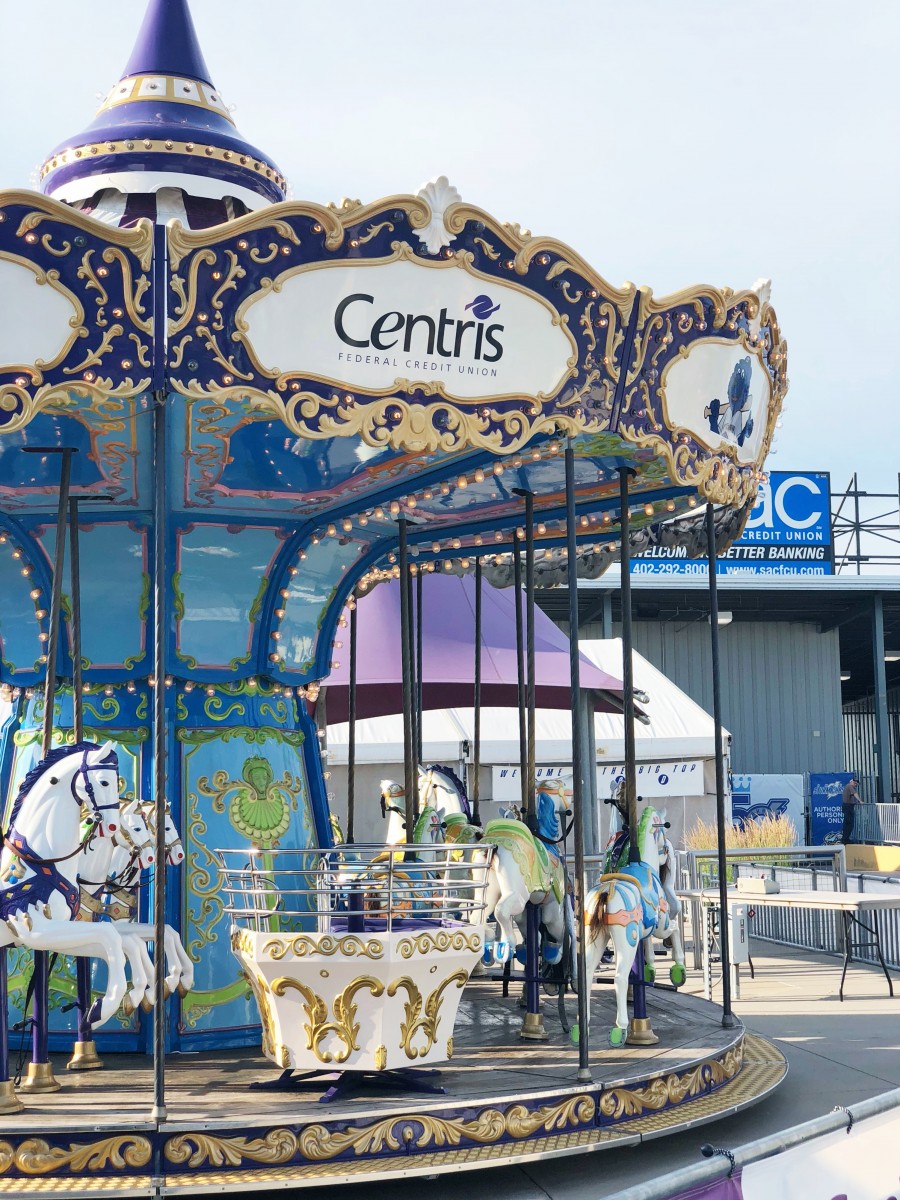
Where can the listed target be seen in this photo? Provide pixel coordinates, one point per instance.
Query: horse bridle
(95, 810)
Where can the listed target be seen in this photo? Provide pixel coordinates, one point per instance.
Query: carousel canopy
(322, 371)
(448, 654)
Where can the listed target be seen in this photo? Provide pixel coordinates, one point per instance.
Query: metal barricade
(877, 824)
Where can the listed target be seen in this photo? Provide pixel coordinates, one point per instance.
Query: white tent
(675, 752)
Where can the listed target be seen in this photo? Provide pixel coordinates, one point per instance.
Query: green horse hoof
(649, 973)
(575, 1034)
(677, 974)
(617, 1036)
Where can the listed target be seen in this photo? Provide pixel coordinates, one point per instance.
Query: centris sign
(411, 325)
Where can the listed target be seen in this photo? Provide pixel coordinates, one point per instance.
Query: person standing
(849, 800)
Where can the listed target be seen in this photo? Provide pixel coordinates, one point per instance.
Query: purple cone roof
(167, 44)
(448, 654)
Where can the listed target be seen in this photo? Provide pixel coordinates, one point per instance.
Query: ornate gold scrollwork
(35, 1156)
(444, 939)
(195, 1149)
(672, 1089)
(344, 1025)
(415, 1021)
(348, 946)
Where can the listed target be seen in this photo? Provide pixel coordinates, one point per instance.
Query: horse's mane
(38, 770)
(458, 783)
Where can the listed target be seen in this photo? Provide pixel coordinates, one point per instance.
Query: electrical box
(739, 933)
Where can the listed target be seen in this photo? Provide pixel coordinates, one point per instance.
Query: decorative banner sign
(859, 1163)
(757, 796)
(788, 533)
(654, 780)
(826, 812)
(412, 324)
(734, 416)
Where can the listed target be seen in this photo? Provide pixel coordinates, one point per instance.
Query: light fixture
(845, 675)
(892, 656)
(724, 618)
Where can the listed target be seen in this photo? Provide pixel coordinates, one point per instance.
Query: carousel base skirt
(506, 1102)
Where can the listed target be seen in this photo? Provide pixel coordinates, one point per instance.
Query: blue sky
(669, 143)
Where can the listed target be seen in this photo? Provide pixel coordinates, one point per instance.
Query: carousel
(226, 416)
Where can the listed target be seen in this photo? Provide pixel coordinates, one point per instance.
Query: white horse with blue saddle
(69, 800)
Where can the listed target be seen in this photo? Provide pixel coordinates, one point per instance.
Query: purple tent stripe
(448, 667)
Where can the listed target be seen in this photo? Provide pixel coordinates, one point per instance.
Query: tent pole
(725, 949)
(476, 756)
(409, 771)
(351, 739)
(578, 788)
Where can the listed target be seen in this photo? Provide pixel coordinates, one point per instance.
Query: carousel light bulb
(478, 476)
(17, 553)
(462, 482)
(338, 645)
(428, 494)
(542, 528)
(464, 563)
(279, 613)
(188, 686)
(26, 571)
(435, 547)
(411, 502)
(302, 559)
(315, 539)
(692, 501)
(346, 524)
(342, 621)
(456, 543)
(395, 507)
(584, 522)
(445, 489)
(40, 613)
(379, 513)
(86, 689)
(670, 506)
(129, 687)
(35, 593)
(497, 468)
(275, 635)
(43, 637)
(331, 530)
(335, 665)
(448, 565)
(151, 679)
(3, 539)
(210, 691)
(364, 520)
(649, 510)
(479, 540)
(498, 536)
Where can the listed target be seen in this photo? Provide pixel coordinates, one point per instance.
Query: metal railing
(359, 888)
(878, 824)
(794, 868)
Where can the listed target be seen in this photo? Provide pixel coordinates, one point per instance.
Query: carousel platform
(506, 1101)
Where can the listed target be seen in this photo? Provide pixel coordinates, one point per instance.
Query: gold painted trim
(204, 151)
(344, 1025)
(172, 92)
(138, 240)
(444, 939)
(676, 1088)
(304, 945)
(34, 1156)
(414, 1021)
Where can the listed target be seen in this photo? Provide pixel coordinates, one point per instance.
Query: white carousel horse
(69, 798)
(439, 789)
(179, 965)
(617, 854)
(630, 908)
(522, 871)
(112, 862)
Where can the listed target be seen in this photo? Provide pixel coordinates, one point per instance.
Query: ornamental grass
(765, 833)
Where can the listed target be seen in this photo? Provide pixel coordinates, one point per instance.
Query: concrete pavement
(838, 1053)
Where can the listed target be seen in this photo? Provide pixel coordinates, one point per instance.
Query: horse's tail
(598, 912)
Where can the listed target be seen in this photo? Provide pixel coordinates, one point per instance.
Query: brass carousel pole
(40, 1077)
(84, 1053)
(409, 770)
(724, 947)
(476, 751)
(640, 1031)
(351, 739)
(578, 784)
